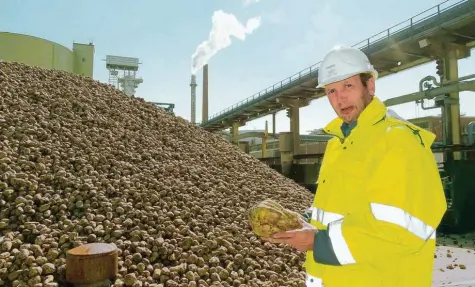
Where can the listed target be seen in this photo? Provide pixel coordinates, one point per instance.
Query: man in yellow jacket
(379, 198)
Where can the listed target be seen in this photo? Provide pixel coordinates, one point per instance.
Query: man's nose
(340, 96)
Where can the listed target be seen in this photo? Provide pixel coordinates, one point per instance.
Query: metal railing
(412, 24)
(258, 96)
(407, 25)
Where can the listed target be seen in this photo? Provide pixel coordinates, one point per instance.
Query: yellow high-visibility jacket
(378, 202)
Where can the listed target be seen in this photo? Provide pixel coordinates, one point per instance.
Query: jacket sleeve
(405, 204)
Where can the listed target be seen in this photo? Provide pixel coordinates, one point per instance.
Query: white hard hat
(341, 63)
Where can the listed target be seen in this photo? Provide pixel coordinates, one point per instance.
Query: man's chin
(347, 118)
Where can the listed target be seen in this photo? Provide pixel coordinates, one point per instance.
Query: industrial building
(38, 52)
(42, 53)
(435, 125)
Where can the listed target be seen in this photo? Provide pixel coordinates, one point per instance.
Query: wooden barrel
(91, 263)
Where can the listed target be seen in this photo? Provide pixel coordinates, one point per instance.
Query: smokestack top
(193, 81)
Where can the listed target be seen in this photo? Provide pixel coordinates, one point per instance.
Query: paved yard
(455, 262)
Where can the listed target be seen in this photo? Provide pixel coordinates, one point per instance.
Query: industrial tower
(193, 98)
(193, 86)
(122, 72)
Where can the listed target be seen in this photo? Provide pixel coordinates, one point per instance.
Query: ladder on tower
(113, 78)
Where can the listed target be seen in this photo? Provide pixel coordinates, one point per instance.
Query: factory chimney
(205, 94)
(193, 98)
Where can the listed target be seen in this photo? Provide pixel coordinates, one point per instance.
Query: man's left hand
(300, 239)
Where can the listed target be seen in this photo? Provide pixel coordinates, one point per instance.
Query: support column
(286, 152)
(289, 142)
(273, 125)
(444, 48)
(451, 73)
(293, 113)
(295, 128)
(235, 133)
(264, 143)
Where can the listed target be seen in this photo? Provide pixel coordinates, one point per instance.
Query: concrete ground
(455, 262)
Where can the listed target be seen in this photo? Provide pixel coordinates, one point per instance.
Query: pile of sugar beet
(80, 162)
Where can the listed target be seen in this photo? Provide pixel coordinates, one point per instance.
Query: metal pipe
(468, 77)
(470, 130)
(427, 108)
(426, 79)
(447, 126)
(431, 93)
(447, 131)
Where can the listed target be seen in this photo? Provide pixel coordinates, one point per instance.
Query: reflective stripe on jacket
(378, 203)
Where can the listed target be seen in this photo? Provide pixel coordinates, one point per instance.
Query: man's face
(350, 97)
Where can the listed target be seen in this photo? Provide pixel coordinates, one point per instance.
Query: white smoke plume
(224, 26)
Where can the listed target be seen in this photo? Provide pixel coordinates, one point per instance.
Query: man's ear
(370, 84)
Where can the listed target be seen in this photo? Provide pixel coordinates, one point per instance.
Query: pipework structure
(167, 107)
(123, 73)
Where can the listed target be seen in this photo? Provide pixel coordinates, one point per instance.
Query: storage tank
(42, 53)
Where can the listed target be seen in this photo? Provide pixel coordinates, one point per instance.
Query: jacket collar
(372, 114)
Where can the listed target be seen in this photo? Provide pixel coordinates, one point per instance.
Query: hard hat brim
(336, 79)
(332, 80)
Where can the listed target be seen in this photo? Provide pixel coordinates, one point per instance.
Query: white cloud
(224, 26)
